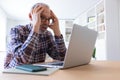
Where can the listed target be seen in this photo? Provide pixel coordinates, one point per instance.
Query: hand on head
(54, 21)
(42, 17)
(35, 16)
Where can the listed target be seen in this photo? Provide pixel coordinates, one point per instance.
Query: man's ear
(30, 16)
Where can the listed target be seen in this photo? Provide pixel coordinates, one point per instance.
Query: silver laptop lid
(81, 45)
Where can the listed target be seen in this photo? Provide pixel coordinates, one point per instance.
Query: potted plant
(94, 54)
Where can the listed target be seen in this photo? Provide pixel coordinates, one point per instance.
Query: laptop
(80, 49)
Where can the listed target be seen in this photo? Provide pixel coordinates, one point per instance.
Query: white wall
(12, 23)
(112, 29)
(3, 20)
(100, 49)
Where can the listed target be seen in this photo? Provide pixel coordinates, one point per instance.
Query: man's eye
(42, 17)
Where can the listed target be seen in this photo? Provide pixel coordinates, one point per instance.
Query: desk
(96, 70)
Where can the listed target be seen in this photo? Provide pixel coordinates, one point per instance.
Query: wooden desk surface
(96, 70)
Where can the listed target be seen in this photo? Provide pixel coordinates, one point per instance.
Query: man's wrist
(57, 32)
(57, 37)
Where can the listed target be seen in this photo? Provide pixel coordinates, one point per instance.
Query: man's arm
(56, 48)
(17, 51)
(54, 25)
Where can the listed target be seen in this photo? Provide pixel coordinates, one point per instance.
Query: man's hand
(54, 25)
(36, 20)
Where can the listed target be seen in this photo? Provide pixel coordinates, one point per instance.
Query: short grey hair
(43, 4)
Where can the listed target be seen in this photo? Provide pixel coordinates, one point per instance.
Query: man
(30, 43)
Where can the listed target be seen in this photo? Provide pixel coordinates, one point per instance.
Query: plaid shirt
(27, 47)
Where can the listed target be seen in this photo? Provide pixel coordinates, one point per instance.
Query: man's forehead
(45, 14)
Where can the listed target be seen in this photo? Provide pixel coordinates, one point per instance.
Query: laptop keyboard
(56, 63)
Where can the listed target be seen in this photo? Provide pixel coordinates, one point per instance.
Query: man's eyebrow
(45, 17)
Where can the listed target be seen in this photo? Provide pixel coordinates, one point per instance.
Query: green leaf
(94, 53)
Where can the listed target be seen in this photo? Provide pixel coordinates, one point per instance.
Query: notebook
(31, 68)
(47, 72)
(80, 49)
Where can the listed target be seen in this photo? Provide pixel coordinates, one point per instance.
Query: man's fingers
(53, 15)
(40, 10)
(37, 9)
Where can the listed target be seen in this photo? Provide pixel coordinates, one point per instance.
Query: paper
(17, 71)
